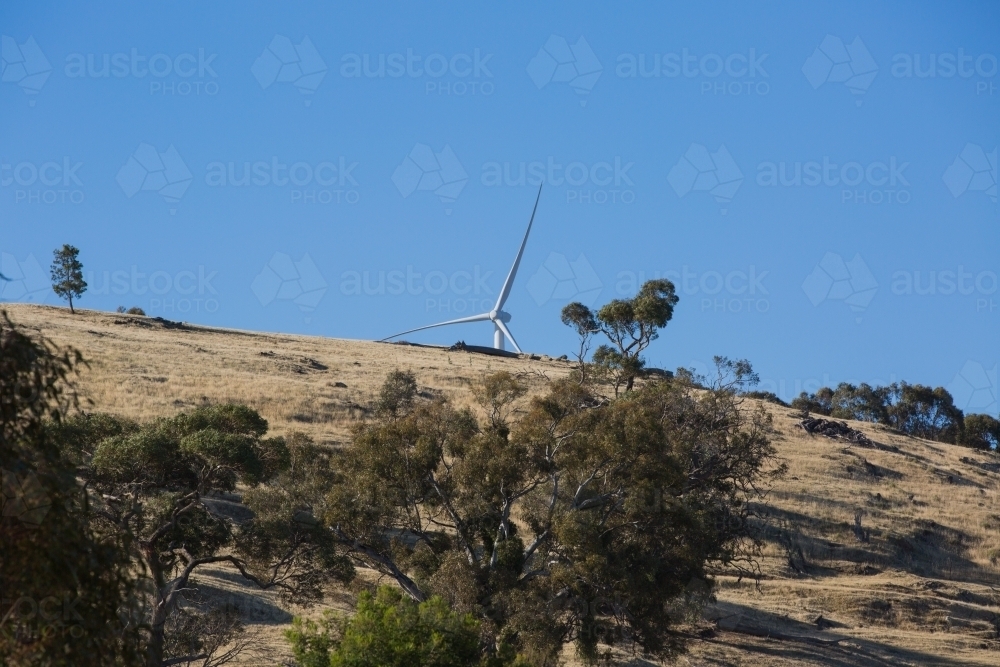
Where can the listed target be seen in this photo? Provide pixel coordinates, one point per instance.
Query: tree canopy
(165, 488)
(67, 274)
(568, 519)
(62, 581)
(913, 409)
(630, 325)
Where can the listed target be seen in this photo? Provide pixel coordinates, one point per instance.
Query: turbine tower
(498, 316)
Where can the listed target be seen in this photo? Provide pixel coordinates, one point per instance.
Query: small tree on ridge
(67, 274)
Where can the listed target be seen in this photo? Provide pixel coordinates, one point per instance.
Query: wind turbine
(498, 316)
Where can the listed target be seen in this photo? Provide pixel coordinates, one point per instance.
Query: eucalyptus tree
(568, 518)
(630, 325)
(61, 581)
(167, 488)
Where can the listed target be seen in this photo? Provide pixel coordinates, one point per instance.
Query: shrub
(768, 396)
(397, 393)
(981, 432)
(913, 409)
(390, 630)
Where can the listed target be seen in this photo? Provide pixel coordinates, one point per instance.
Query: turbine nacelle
(497, 315)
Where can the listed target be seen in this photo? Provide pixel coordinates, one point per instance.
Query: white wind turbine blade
(505, 291)
(482, 317)
(507, 333)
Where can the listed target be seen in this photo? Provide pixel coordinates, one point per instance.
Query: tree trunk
(71, 306)
(154, 650)
(161, 607)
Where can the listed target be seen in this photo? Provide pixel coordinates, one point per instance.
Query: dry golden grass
(924, 589)
(143, 367)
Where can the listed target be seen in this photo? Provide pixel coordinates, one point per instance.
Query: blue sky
(248, 164)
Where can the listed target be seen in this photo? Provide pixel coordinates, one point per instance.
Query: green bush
(768, 396)
(913, 409)
(391, 630)
(981, 432)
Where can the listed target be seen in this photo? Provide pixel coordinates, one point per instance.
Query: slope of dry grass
(917, 583)
(144, 367)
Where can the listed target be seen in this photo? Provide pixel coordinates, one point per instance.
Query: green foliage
(768, 396)
(924, 412)
(496, 394)
(981, 432)
(579, 317)
(390, 630)
(630, 325)
(134, 310)
(913, 409)
(820, 402)
(145, 457)
(67, 274)
(620, 507)
(61, 580)
(397, 393)
(159, 487)
(229, 418)
(285, 520)
(610, 366)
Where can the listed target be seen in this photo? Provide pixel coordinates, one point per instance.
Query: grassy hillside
(877, 554)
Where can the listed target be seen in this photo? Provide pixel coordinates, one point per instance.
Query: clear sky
(818, 180)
